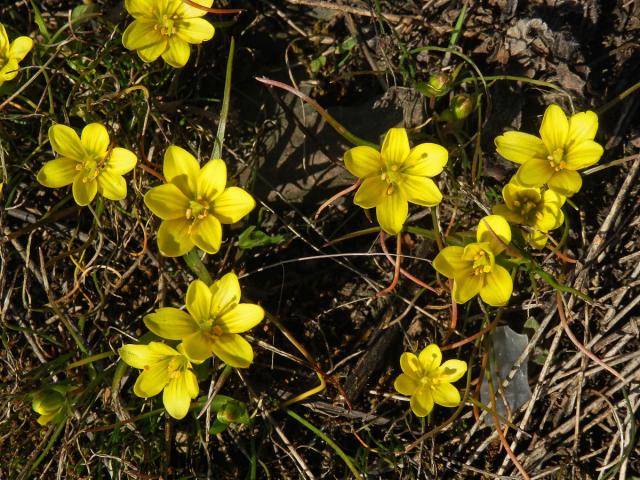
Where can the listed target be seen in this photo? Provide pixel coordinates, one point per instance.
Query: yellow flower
(395, 176)
(565, 146)
(163, 369)
(473, 268)
(194, 203)
(11, 53)
(426, 381)
(166, 27)
(87, 162)
(212, 322)
(50, 404)
(542, 211)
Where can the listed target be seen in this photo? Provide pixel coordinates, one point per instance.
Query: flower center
(482, 263)
(527, 206)
(556, 159)
(90, 169)
(166, 25)
(198, 210)
(392, 175)
(174, 367)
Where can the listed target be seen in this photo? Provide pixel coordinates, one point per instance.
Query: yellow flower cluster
(211, 325)
(11, 53)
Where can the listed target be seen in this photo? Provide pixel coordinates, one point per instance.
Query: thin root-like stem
(408, 275)
(338, 195)
(396, 272)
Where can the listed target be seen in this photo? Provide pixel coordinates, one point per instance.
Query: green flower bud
(436, 85)
(462, 106)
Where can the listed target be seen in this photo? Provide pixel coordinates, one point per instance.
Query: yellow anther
(390, 189)
(188, 213)
(394, 168)
(216, 330)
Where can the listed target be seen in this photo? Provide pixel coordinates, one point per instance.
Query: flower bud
(462, 106)
(436, 85)
(49, 403)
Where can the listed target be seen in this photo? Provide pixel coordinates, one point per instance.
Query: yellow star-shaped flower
(194, 203)
(395, 176)
(473, 268)
(11, 53)
(212, 323)
(88, 162)
(166, 28)
(429, 381)
(565, 146)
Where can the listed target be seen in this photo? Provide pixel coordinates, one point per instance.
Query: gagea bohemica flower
(88, 162)
(211, 325)
(163, 368)
(396, 175)
(194, 203)
(473, 268)
(166, 27)
(539, 210)
(427, 382)
(565, 146)
(11, 53)
(51, 404)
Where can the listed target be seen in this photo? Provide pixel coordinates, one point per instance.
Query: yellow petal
(140, 8)
(583, 155)
(84, 192)
(142, 34)
(520, 147)
(9, 71)
(177, 55)
(551, 216)
(226, 293)
(513, 191)
(420, 190)
(173, 237)
(66, 142)
(121, 161)
(153, 51)
(233, 204)
(199, 301)
(537, 239)
(46, 419)
(405, 385)
(233, 350)
(534, 172)
(167, 202)
(582, 126)
(566, 182)
(207, 234)
(177, 395)
(187, 11)
(182, 169)
(212, 179)
(493, 226)
(241, 318)
(392, 212)
(430, 358)
(466, 287)
(363, 161)
(171, 323)
(422, 402)
(194, 30)
(555, 128)
(452, 370)
(197, 347)
(20, 47)
(371, 192)
(395, 147)
(95, 140)
(152, 380)
(497, 288)
(58, 173)
(410, 365)
(449, 262)
(140, 356)
(111, 185)
(446, 395)
(511, 216)
(425, 160)
(4, 39)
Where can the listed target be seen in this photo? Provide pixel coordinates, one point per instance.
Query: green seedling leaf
(532, 323)
(318, 63)
(252, 238)
(78, 12)
(218, 427)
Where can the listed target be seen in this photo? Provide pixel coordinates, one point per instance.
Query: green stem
(196, 265)
(436, 228)
(618, 98)
(224, 110)
(44, 453)
(327, 440)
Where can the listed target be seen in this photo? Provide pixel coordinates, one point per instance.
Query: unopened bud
(436, 85)
(462, 106)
